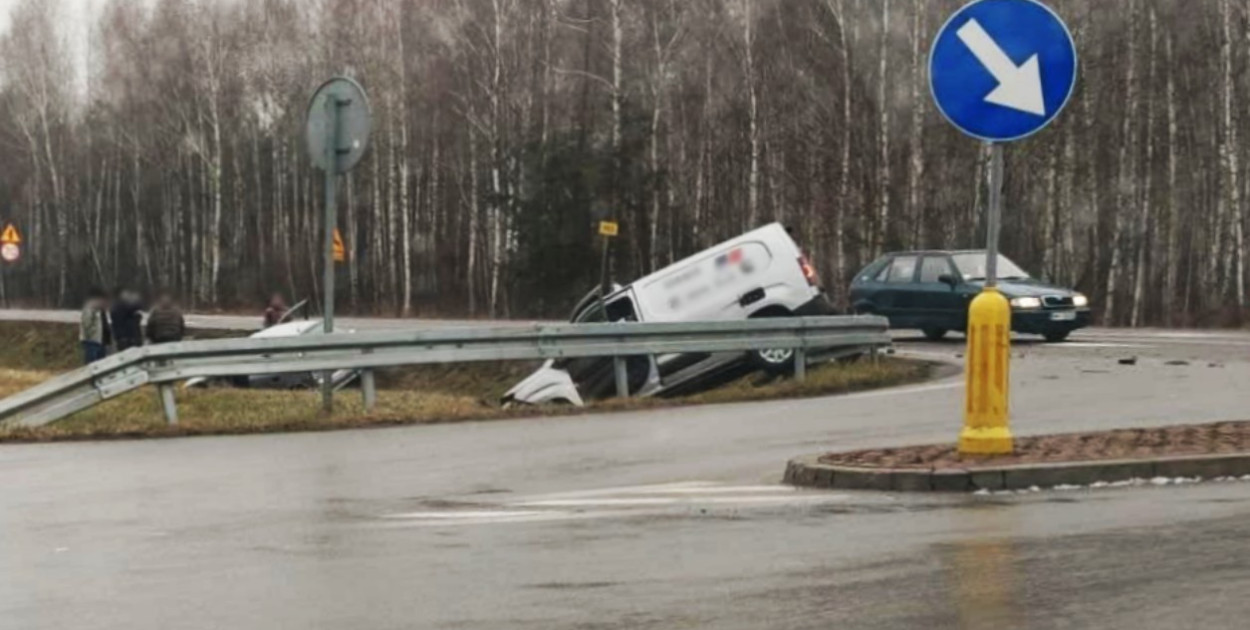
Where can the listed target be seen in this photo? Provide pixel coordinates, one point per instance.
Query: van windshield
(972, 266)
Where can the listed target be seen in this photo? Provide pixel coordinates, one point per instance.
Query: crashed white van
(759, 274)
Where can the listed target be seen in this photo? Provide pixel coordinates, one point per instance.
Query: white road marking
(905, 391)
(461, 514)
(622, 502)
(1096, 345)
(658, 501)
(683, 488)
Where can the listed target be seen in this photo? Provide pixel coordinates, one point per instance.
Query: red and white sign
(10, 252)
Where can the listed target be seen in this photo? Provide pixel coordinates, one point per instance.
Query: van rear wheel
(776, 361)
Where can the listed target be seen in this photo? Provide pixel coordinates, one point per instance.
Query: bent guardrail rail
(167, 364)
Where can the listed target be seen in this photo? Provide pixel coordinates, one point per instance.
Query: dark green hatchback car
(931, 291)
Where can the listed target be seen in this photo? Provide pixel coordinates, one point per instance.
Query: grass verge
(423, 395)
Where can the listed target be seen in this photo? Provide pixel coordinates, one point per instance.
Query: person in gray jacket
(93, 329)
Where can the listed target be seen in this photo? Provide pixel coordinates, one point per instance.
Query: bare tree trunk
(405, 166)
(883, 135)
(1143, 223)
(474, 220)
(1172, 260)
(1126, 162)
(753, 114)
(915, 175)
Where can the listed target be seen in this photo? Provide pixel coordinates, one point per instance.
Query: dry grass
(424, 395)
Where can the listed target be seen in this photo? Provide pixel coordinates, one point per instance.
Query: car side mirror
(946, 278)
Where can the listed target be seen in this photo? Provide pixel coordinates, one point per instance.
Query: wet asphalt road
(668, 519)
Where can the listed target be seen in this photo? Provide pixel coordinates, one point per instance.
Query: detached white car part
(547, 385)
(757, 275)
(340, 378)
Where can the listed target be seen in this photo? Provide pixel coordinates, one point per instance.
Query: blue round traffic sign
(1002, 70)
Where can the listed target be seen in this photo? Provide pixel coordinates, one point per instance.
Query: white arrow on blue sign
(1002, 70)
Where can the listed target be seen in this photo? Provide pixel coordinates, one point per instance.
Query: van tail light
(809, 271)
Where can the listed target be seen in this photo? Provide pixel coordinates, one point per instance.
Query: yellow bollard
(986, 430)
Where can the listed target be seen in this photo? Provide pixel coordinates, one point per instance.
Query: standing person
(93, 327)
(166, 323)
(127, 320)
(275, 311)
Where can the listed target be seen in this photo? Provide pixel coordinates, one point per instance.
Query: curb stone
(810, 472)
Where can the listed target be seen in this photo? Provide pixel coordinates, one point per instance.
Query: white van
(759, 274)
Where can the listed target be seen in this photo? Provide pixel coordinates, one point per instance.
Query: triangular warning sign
(340, 251)
(10, 235)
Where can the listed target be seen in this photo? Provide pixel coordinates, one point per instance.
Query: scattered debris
(1215, 365)
(1129, 361)
(1177, 362)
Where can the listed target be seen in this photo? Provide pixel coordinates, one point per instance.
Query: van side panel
(710, 285)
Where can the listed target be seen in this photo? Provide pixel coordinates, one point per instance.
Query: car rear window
(902, 269)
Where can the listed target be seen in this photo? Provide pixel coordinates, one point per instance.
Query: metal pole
(995, 215)
(622, 377)
(603, 278)
(331, 219)
(369, 390)
(168, 404)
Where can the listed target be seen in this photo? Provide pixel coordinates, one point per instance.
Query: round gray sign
(354, 118)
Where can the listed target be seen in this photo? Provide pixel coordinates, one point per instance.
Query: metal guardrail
(165, 365)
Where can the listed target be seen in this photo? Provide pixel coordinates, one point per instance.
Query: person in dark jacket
(275, 311)
(166, 323)
(127, 320)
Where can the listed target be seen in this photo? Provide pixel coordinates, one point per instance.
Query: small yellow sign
(340, 251)
(609, 228)
(11, 236)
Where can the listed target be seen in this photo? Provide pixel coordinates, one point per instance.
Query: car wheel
(935, 334)
(1057, 337)
(774, 360)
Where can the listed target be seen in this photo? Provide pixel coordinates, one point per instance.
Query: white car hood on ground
(291, 329)
(547, 385)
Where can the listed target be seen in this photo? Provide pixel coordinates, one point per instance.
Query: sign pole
(1000, 71)
(987, 429)
(995, 219)
(337, 132)
(608, 230)
(603, 267)
(333, 103)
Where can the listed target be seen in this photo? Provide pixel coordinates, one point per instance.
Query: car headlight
(1026, 303)
(1080, 301)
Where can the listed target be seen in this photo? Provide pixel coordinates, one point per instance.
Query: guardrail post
(622, 377)
(800, 365)
(369, 390)
(168, 403)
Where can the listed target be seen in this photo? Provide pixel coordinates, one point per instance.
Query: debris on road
(1129, 361)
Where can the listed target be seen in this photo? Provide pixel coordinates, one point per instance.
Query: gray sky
(74, 10)
(76, 14)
